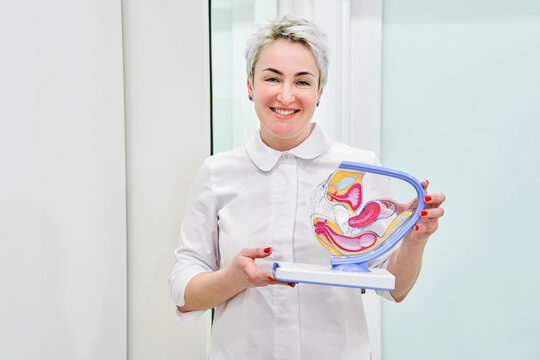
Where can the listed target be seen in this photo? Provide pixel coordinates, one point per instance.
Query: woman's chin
(284, 132)
(280, 135)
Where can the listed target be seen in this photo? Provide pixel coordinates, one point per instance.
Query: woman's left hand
(429, 217)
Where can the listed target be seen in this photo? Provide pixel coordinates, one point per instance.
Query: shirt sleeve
(198, 249)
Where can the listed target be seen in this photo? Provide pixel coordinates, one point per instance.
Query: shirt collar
(265, 158)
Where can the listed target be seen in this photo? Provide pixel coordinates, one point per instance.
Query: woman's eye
(303, 83)
(272, 80)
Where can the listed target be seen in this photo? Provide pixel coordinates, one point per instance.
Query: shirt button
(286, 156)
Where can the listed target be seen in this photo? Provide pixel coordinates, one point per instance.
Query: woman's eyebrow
(280, 73)
(273, 70)
(304, 73)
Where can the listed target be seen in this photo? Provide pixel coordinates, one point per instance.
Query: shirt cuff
(384, 265)
(386, 295)
(190, 315)
(178, 283)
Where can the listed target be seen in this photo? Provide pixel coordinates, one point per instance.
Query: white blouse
(255, 196)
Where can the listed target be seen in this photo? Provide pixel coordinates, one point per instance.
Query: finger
(435, 198)
(425, 184)
(432, 213)
(255, 253)
(273, 281)
(401, 207)
(425, 228)
(277, 282)
(256, 276)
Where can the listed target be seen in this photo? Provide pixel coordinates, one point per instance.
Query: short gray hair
(292, 28)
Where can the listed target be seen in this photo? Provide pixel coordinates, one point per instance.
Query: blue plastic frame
(359, 262)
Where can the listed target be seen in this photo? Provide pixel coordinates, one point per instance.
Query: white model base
(378, 279)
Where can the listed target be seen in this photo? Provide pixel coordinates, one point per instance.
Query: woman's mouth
(283, 111)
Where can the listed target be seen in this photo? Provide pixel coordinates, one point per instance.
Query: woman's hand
(243, 270)
(429, 217)
(210, 289)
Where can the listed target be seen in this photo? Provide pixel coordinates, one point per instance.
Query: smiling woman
(285, 91)
(248, 209)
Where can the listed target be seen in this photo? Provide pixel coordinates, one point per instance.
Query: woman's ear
(250, 88)
(320, 94)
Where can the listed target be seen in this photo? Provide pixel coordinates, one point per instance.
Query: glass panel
(233, 117)
(232, 21)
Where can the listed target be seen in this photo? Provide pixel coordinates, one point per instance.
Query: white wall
(168, 136)
(63, 261)
(62, 181)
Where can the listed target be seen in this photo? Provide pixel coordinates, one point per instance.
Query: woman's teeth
(283, 112)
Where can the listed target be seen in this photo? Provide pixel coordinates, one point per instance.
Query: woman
(248, 209)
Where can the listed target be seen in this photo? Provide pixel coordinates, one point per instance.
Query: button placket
(284, 203)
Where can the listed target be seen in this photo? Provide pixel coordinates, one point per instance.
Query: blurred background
(107, 108)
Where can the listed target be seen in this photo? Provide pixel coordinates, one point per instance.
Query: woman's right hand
(244, 271)
(210, 289)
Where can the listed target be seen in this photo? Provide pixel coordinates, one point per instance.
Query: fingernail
(292, 284)
(423, 213)
(427, 198)
(427, 181)
(416, 227)
(270, 278)
(267, 250)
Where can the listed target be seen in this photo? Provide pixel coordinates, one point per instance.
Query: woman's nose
(285, 95)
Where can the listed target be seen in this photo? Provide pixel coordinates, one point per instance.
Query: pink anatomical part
(350, 244)
(353, 196)
(369, 214)
(388, 208)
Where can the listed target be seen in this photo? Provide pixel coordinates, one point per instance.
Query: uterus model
(357, 221)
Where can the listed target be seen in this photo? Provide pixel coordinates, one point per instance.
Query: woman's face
(285, 92)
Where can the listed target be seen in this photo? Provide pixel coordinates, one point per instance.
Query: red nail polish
(427, 181)
(292, 284)
(423, 212)
(270, 278)
(427, 198)
(267, 250)
(416, 227)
